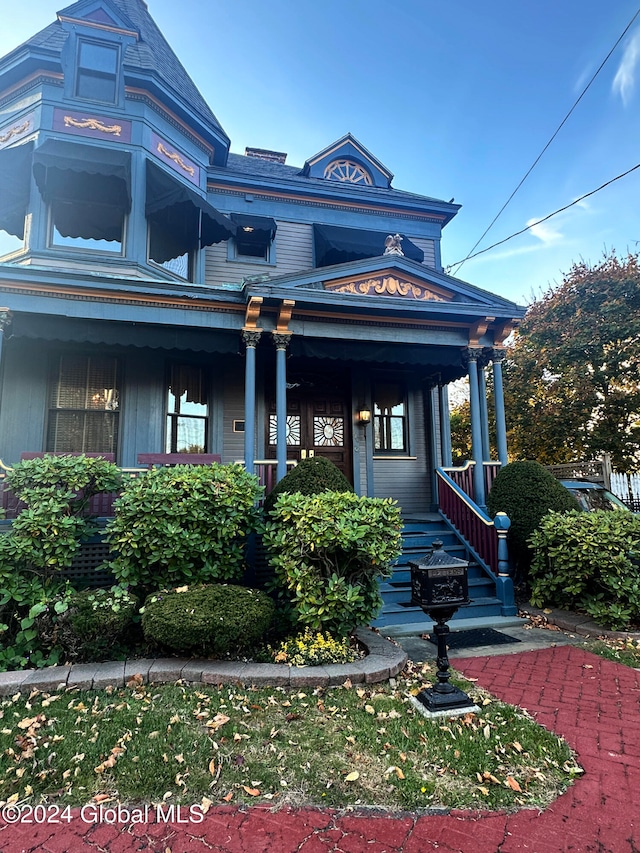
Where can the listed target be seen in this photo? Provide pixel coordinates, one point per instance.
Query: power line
(539, 157)
(544, 218)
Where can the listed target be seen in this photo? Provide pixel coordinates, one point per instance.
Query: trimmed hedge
(207, 620)
(309, 477)
(589, 561)
(186, 524)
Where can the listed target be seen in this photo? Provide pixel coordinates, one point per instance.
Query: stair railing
(485, 538)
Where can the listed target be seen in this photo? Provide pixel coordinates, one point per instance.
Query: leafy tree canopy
(572, 385)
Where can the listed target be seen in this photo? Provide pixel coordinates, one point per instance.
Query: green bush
(526, 492)
(89, 624)
(309, 477)
(329, 552)
(589, 561)
(186, 524)
(208, 620)
(42, 541)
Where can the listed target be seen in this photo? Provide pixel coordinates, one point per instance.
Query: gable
(348, 161)
(98, 14)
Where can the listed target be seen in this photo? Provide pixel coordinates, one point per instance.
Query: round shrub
(526, 492)
(310, 477)
(186, 524)
(207, 620)
(88, 624)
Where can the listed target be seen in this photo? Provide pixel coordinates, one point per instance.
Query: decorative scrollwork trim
(17, 130)
(389, 286)
(93, 124)
(173, 155)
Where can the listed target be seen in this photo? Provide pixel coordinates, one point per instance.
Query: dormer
(93, 55)
(348, 161)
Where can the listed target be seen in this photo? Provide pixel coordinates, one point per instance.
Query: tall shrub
(41, 541)
(182, 525)
(526, 492)
(589, 561)
(330, 551)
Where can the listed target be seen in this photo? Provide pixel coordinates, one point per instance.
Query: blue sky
(457, 99)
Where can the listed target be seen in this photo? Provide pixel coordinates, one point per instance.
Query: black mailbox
(439, 581)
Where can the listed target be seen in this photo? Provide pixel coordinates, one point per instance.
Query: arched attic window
(347, 171)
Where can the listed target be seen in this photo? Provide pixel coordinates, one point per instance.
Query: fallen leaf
(100, 798)
(135, 680)
(212, 767)
(351, 777)
(205, 804)
(253, 792)
(369, 709)
(483, 790)
(217, 721)
(228, 797)
(517, 746)
(513, 784)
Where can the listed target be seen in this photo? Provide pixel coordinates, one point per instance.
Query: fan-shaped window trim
(348, 171)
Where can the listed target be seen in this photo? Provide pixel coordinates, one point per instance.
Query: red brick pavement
(594, 704)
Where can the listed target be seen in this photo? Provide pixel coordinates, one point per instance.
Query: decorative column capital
(281, 339)
(251, 337)
(473, 354)
(5, 318)
(498, 355)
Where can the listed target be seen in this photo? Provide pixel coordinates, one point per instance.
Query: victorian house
(162, 295)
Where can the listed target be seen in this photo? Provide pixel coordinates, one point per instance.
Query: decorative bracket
(253, 312)
(284, 315)
(478, 329)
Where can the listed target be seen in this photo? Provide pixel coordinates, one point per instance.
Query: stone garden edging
(383, 660)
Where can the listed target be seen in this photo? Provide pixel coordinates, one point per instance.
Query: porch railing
(463, 476)
(102, 504)
(484, 537)
(474, 525)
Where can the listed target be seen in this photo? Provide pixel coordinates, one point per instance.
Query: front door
(318, 424)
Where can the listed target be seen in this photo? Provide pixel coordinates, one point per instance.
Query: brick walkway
(592, 703)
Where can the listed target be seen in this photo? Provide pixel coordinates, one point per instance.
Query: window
(389, 418)
(101, 228)
(97, 72)
(254, 238)
(84, 405)
(187, 410)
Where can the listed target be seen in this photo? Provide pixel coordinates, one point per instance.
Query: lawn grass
(626, 652)
(338, 747)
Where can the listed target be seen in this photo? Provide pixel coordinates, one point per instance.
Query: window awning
(260, 227)
(75, 172)
(182, 219)
(336, 245)
(15, 180)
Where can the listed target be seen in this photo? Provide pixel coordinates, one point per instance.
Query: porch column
(445, 426)
(498, 393)
(5, 319)
(281, 340)
(251, 337)
(484, 413)
(473, 356)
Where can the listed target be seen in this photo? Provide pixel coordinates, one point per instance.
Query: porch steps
(418, 537)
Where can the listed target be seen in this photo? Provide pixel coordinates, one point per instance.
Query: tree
(460, 420)
(572, 379)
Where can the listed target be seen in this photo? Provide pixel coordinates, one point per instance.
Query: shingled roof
(151, 55)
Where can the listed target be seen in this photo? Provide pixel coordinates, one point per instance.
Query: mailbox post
(439, 585)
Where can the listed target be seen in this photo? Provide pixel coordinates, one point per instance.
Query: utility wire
(544, 218)
(459, 264)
